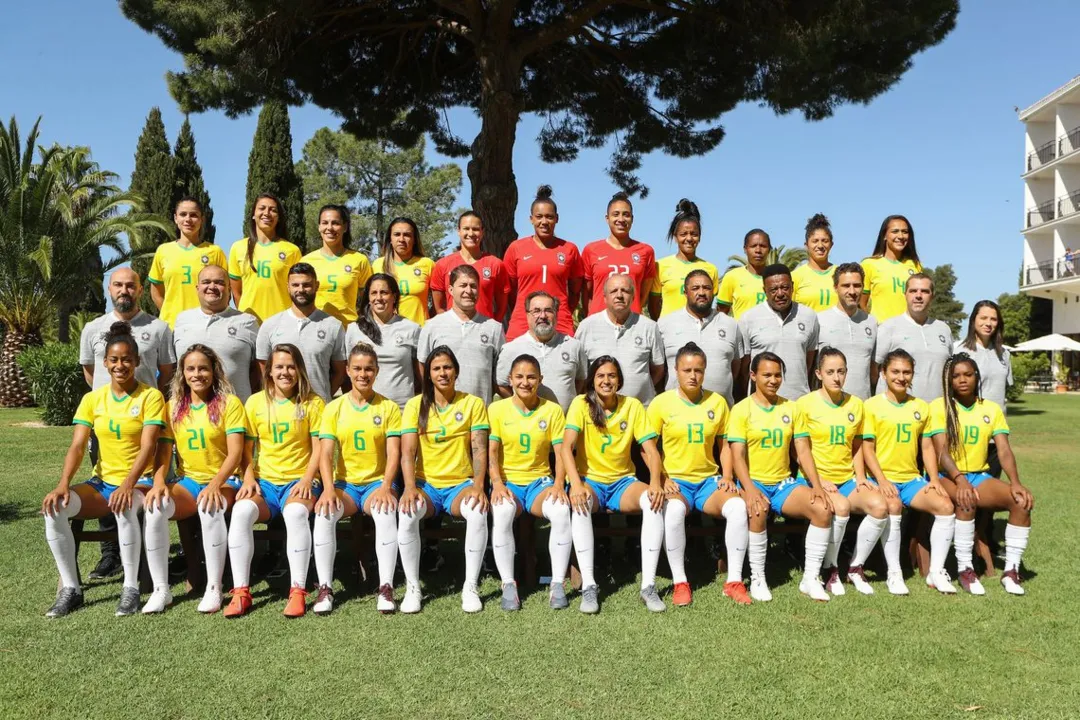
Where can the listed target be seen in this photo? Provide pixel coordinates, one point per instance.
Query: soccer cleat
(812, 587)
(1010, 580)
(108, 566)
(297, 604)
(385, 602)
(833, 584)
(940, 581)
(67, 600)
(411, 602)
(736, 590)
(510, 600)
(682, 596)
(557, 596)
(759, 589)
(895, 584)
(970, 582)
(470, 599)
(856, 577)
(129, 601)
(590, 600)
(324, 601)
(240, 603)
(652, 600)
(211, 601)
(159, 600)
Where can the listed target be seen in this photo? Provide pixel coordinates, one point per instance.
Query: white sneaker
(324, 602)
(470, 599)
(812, 586)
(759, 590)
(411, 602)
(834, 585)
(856, 577)
(895, 583)
(970, 582)
(159, 600)
(211, 601)
(385, 603)
(1011, 582)
(940, 581)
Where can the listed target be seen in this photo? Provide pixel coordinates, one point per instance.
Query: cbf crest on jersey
(417, 272)
(986, 419)
(205, 259)
(566, 357)
(711, 414)
(942, 339)
(281, 256)
(543, 424)
(134, 411)
(487, 273)
(851, 417)
(348, 268)
(321, 334)
(561, 258)
(786, 419)
(622, 426)
(377, 420)
(918, 415)
(459, 416)
(636, 258)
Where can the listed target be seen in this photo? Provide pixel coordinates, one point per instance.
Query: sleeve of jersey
(479, 415)
(502, 368)
(869, 423)
(715, 279)
(157, 267)
(726, 294)
(392, 421)
(576, 417)
(262, 343)
(936, 426)
(657, 347)
(510, 261)
(502, 280)
(725, 420)
(217, 257)
(316, 409)
(924, 431)
(328, 426)
(235, 417)
(294, 256)
(654, 415)
(438, 276)
(998, 424)
(423, 343)
(168, 433)
(868, 273)
(234, 260)
(642, 431)
(557, 425)
(411, 417)
(168, 351)
(84, 414)
(860, 417)
(86, 348)
(815, 330)
(154, 408)
(736, 426)
(884, 338)
(251, 409)
(799, 423)
(338, 353)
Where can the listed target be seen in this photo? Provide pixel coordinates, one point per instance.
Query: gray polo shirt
(994, 372)
(791, 337)
(319, 336)
(476, 342)
(152, 335)
(856, 337)
(930, 344)
(718, 335)
(636, 345)
(397, 353)
(230, 333)
(562, 363)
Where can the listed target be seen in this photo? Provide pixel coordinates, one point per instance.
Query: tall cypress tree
(271, 170)
(189, 178)
(154, 178)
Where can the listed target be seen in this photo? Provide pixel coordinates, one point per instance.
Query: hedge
(56, 380)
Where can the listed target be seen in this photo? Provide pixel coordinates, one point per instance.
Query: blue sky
(943, 147)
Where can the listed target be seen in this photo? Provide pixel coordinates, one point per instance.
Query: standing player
(963, 425)
(617, 254)
(896, 426)
(259, 264)
(851, 330)
(814, 278)
(342, 271)
(393, 337)
(175, 269)
(741, 287)
(893, 261)
(985, 345)
(543, 262)
(927, 340)
(667, 292)
(494, 282)
(127, 416)
(403, 259)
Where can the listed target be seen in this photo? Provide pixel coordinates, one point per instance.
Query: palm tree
(779, 254)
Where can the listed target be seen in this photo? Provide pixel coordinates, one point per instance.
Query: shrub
(1024, 367)
(56, 380)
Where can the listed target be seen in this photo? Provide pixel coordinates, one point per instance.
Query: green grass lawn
(924, 656)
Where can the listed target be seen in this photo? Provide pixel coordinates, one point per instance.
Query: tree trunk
(63, 324)
(491, 170)
(14, 387)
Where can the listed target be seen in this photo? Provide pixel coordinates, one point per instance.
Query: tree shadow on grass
(13, 512)
(1021, 411)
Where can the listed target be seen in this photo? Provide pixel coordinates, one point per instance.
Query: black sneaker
(129, 602)
(67, 599)
(108, 566)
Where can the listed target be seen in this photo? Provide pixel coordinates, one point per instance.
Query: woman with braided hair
(962, 425)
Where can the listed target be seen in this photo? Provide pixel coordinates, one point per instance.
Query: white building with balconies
(1052, 204)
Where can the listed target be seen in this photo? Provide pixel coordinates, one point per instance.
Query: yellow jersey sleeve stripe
(495, 438)
(409, 431)
(575, 428)
(480, 427)
(736, 440)
(1004, 431)
(800, 435)
(154, 422)
(83, 422)
(649, 436)
(932, 433)
(557, 441)
(393, 433)
(235, 430)
(154, 280)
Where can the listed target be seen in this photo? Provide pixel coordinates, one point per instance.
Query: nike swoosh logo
(300, 550)
(388, 543)
(474, 551)
(526, 257)
(321, 544)
(214, 545)
(601, 257)
(563, 544)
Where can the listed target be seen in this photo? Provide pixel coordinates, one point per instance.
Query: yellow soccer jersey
(201, 446)
(671, 272)
(896, 430)
(413, 278)
(978, 425)
(741, 290)
(445, 451)
(283, 442)
(176, 268)
(118, 424)
(689, 432)
(884, 283)
(340, 280)
(526, 438)
(814, 288)
(603, 456)
(361, 434)
(266, 279)
(767, 434)
(832, 430)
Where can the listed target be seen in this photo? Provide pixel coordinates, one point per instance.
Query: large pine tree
(271, 170)
(154, 180)
(189, 178)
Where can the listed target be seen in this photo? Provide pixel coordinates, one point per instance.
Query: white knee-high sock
(157, 543)
(652, 540)
(215, 538)
(581, 530)
(241, 541)
(386, 545)
(130, 537)
(476, 537)
(502, 538)
(297, 541)
(1016, 542)
(408, 539)
(817, 542)
(941, 537)
(836, 536)
(963, 543)
(560, 538)
(675, 539)
(758, 547)
(890, 543)
(325, 537)
(736, 537)
(870, 530)
(62, 541)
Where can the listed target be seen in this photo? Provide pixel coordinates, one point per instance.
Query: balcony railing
(1051, 270)
(1069, 142)
(1042, 155)
(1040, 214)
(1068, 205)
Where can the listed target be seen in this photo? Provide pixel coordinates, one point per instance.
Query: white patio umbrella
(1053, 343)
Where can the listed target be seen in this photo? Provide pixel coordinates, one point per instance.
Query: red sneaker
(297, 605)
(240, 603)
(683, 596)
(737, 592)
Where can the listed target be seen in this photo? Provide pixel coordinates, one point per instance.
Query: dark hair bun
(687, 207)
(543, 192)
(818, 221)
(120, 328)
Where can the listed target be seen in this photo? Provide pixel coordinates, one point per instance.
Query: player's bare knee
(894, 506)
